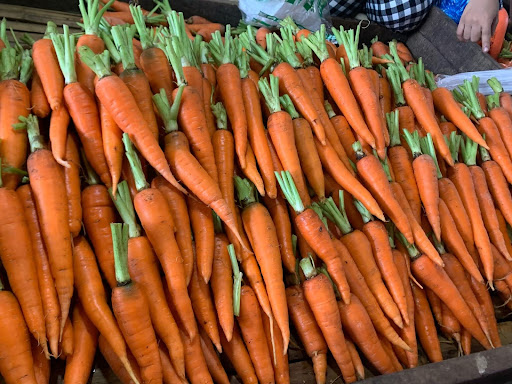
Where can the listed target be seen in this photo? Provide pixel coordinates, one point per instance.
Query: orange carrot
(239, 357)
(115, 364)
(38, 100)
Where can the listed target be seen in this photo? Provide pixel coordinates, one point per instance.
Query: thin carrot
(115, 364)
(497, 147)
(85, 341)
(66, 343)
(59, 122)
(450, 326)
(239, 357)
(322, 301)
(212, 360)
(38, 100)
(208, 114)
(201, 219)
(356, 359)
(72, 180)
(275, 346)
(41, 363)
(343, 131)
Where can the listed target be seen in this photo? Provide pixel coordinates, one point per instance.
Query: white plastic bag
(308, 14)
(504, 76)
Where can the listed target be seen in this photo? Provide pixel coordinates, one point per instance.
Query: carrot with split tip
(186, 166)
(50, 302)
(16, 363)
(262, 235)
(131, 311)
(230, 87)
(425, 326)
(222, 285)
(361, 290)
(81, 105)
(460, 175)
(434, 277)
(320, 296)
(426, 175)
(239, 357)
(122, 107)
(356, 321)
(310, 334)
(179, 210)
(47, 65)
(47, 184)
(85, 340)
(59, 122)
(338, 86)
(316, 234)
(280, 128)
(306, 150)
(375, 178)
(204, 309)
(201, 219)
(143, 268)
(16, 255)
(356, 359)
(361, 84)
(156, 219)
(361, 251)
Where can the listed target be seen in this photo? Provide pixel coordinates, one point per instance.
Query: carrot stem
(470, 99)
(439, 245)
(217, 223)
(413, 140)
(145, 36)
(431, 82)
(308, 268)
(237, 280)
(65, 48)
(495, 85)
(286, 50)
(168, 113)
(335, 214)
(287, 104)
(93, 61)
(123, 36)
(329, 109)
(26, 67)
(135, 164)
(221, 115)
(285, 180)
(306, 53)
(171, 48)
(392, 120)
(358, 149)
(454, 145)
(411, 248)
(365, 214)
(365, 56)
(484, 154)
(91, 16)
(270, 92)
(115, 54)
(124, 205)
(404, 75)
(393, 74)
(316, 41)
(120, 247)
(34, 136)
(469, 151)
(349, 40)
(245, 191)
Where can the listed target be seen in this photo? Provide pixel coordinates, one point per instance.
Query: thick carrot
(222, 285)
(256, 134)
(93, 299)
(143, 268)
(115, 363)
(361, 290)
(359, 326)
(308, 330)
(178, 205)
(157, 70)
(16, 363)
(85, 341)
(275, 346)
(425, 326)
(38, 100)
(451, 236)
(433, 276)
(131, 310)
(239, 357)
(204, 309)
(319, 294)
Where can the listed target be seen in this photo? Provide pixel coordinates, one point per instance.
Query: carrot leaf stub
(120, 242)
(290, 191)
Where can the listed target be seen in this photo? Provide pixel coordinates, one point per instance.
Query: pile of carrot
(178, 203)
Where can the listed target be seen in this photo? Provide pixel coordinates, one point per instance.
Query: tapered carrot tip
(382, 153)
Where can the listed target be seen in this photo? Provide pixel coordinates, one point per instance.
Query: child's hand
(477, 22)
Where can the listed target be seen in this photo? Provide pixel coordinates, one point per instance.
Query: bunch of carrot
(227, 192)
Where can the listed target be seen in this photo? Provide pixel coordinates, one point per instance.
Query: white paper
(504, 76)
(308, 14)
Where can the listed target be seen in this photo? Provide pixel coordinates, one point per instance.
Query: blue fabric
(453, 8)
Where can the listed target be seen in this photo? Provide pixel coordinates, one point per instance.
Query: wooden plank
(38, 16)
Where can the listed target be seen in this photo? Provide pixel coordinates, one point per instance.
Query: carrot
(373, 174)
(385, 96)
(425, 326)
(239, 357)
(67, 340)
(306, 150)
(212, 360)
(256, 134)
(275, 346)
(179, 211)
(47, 65)
(344, 133)
(41, 363)
(322, 301)
(408, 332)
(279, 212)
(356, 360)
(114, 94)
(451, 236)
(502, 268)
(402, 164)
(425, 173)
(308, 330)
(358, 324)
(16, 363)
(465, 341)
(379, 48)
(393, 353)
(169, 376)
(82, 106)
(49, 298)
(338, 86)
(201, 220)
(496, 146)
(59, 121)
(450, 326)
(361, 290)
(38, 100)
(280, 127)
(434, 277)
(131, 310)
(461, 176)
(504, 124)
(204, 310)
(504, 230)
(208, 114)
(143, 268)
(93, 299)
(115, 364)
(262, 235)
(361, 82)
(447, 128)
(251, 170)
(506, 102)
(85, 340)
(497, 185)
(72, 180)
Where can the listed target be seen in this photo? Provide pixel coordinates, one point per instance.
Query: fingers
(476, 33)
(460, 31)
(486, 38)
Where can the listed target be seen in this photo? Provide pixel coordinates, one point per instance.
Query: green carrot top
(469, 150)
(246, 191)
(124, 205)
(168, 113)
(120, 247)
(65, 49)
(427, 147)
(91, 16)
(123, 36)
(97, 62)
(350, 40)
(336, 214)
(392, 120)
(135, 164)
(270, 92)
(316, 41)
(290, 191)
(237, 280)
